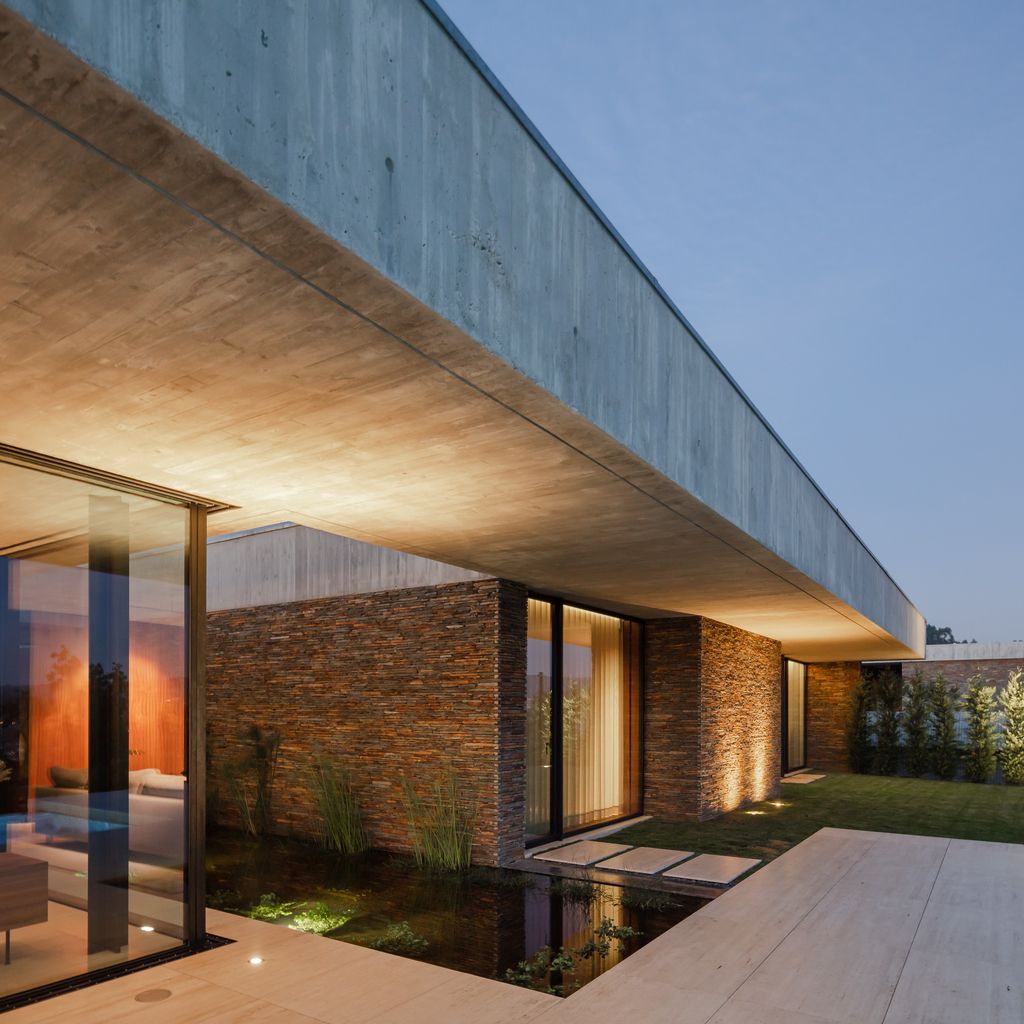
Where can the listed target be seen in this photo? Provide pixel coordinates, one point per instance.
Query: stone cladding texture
(830, 689)
(712, 735)
(391, 684)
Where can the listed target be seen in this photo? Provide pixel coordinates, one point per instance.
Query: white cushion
(137, 778)
(164, 785)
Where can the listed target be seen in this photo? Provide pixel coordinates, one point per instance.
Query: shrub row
(912, 727)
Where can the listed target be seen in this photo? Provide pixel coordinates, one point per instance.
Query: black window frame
(557, 831)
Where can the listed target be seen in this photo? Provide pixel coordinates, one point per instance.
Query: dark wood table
(23, 895)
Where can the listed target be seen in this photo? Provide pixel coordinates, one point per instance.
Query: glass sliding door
(795, 715)
(94, 741)
(600, 719)
(583, 718)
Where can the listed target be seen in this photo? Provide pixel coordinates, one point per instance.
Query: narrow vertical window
(539, 679)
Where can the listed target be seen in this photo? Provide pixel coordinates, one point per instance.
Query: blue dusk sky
(833, 193)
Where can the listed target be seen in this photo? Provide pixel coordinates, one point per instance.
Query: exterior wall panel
(390, 685)
(713, 726)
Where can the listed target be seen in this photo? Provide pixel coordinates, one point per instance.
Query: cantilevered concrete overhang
(310, 261)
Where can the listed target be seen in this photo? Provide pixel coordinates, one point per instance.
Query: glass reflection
(93, 678)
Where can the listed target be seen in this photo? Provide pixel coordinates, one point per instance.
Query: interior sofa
(156, 808)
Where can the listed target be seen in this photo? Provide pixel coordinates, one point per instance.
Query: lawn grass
(960, 810)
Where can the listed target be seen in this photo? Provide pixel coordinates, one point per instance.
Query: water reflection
(484, 922)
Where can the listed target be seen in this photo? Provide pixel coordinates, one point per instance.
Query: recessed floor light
(255, 960)
(146, 928)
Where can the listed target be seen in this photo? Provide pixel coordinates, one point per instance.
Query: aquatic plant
(604, 934)
(270, 908)
(556, 973)
(224, 899)
(647, 899)
(504, 877)
(321, 919)
(341, 822)
(401, 939)
(581, 891)
(442, 823)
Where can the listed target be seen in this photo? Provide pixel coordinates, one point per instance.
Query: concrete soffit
(257, 360)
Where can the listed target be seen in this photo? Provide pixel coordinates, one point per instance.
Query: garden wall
(392, 683)
(993, 671)
(712, 735)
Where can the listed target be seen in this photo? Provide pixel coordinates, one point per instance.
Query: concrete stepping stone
(644, 860)
(713, 868)
(583, 853)
(802, 780)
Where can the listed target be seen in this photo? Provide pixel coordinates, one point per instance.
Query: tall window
(540, 665)
(583, 714)
(794, 720)
(94, 677)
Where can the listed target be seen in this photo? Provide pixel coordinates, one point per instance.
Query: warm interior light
(146, 928)
(255, 960)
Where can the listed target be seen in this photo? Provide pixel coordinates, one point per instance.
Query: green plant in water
(321, 919)
(224, 899)
(980, 753)
(400, 939)
(270, 908)
(647, 899)
(341, 822)
(604, 934)
(555, 973)
(442, 823)
(1011, 704)
(581, 891)
(504, 877)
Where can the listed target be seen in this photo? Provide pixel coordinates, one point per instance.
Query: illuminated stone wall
(712, 736)
(741, 718)
(391, 685)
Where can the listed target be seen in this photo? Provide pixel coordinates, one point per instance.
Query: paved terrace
(848, 926)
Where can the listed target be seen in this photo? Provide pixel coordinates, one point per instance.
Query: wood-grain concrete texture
(293, 563)
(419, 335)
(845, 928)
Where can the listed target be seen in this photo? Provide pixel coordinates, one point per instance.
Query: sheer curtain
(599, 732)
(539, 651)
